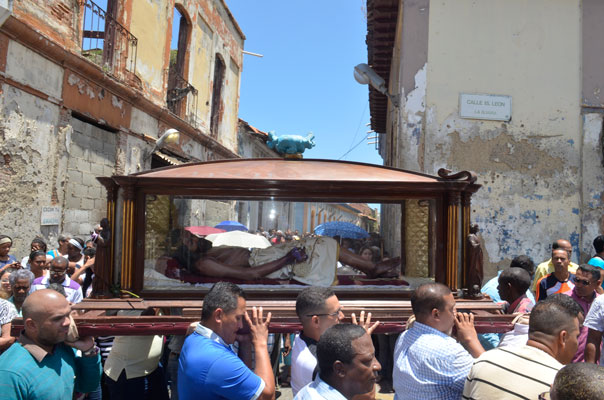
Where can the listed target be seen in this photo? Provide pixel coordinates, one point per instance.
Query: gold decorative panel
(417, 243)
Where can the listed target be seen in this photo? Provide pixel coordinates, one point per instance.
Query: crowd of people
(553, 350)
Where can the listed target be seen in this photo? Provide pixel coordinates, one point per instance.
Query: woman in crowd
(6, 260)
(75, 255)
(36, 244)
(5, 289)
(7, 314)
(38, 263)
(20, 282)
(60, 251)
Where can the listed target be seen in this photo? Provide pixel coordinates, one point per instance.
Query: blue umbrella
(231, 226)
(342, 229)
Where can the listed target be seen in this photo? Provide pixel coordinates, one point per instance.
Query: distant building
(87, 91)
(539, 159)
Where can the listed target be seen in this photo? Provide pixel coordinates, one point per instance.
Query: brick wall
(92, 153)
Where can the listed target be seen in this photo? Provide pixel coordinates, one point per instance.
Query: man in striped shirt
(523, 372)
(559, 281)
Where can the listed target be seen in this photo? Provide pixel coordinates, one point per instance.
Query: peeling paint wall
(95, 101)
(56, 19)
(212, 32)
(540, 170)
(529, 167)
(32, 164)
(151, 23)
(215, 34)
(40, 73)
(202, 57)
(65, 121)
(592, 194)
(593, 53)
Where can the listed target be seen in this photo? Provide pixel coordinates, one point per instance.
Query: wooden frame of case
(285, 180)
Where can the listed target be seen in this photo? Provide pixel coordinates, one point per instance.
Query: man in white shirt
(318, 309)
(348, 365)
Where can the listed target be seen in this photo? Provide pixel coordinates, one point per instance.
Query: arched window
(216, 116)
(178, 87)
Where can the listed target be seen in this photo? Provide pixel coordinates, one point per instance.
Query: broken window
(219, 69)
(104, 40)
(181, 96)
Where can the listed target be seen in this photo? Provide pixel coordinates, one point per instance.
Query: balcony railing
(106, 42)
(182, 98)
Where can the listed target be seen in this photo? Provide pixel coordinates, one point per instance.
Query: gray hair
(21, 274)
(63, 237)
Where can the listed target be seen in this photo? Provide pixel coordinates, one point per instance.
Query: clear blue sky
(304, 83)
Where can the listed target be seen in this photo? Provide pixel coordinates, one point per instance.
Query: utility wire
(355, 146)
(357, 131)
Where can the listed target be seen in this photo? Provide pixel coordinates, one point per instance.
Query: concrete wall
(529, 167)
(91, 154)
(593, 53)
(32, 162)
(534, 186)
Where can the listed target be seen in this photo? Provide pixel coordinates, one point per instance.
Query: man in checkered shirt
(429, 363)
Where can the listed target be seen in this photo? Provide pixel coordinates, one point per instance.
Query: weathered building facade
(86, 91)
(541, 168)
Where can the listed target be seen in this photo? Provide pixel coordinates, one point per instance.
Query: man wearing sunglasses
(318, 309)
(587, 279)
(58, 274)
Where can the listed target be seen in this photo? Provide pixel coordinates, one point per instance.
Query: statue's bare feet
(389, 268)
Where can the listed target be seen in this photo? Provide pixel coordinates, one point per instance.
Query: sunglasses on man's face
(583, 282)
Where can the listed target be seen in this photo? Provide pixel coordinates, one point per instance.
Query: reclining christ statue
(311, 261)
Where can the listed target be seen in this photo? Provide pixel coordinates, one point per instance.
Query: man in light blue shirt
(429, 363)
(347, 365)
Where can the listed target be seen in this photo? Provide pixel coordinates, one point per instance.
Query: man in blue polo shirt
(209, 368)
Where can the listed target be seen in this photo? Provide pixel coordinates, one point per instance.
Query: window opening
(216, 116)
(105, 41)
(181, 96)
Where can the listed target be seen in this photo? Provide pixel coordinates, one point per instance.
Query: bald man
(42, 365)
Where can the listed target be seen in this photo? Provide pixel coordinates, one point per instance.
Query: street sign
(485, 106)
(50, 216)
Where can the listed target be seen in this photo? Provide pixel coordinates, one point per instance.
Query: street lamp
(364, 75)
(169, 136)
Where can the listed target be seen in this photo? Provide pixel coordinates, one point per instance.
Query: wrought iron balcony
(182, 98)
(106, 42)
